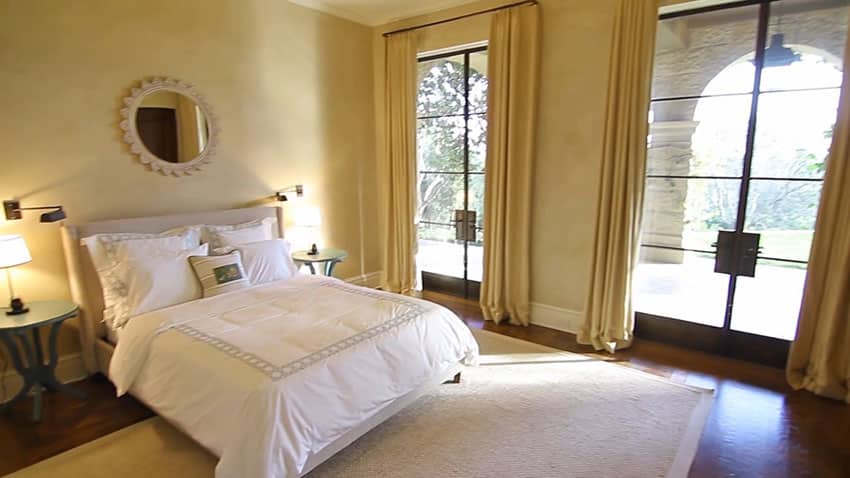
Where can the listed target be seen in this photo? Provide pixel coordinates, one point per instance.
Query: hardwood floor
(758, 427)
(66, 423)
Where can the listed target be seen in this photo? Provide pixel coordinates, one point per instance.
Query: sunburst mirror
(169, 126)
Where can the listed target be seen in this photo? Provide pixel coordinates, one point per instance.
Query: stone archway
(695, 53)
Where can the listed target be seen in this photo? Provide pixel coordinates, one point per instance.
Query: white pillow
(220, 274)
(264, 261)
(154, 279)
(232, 235)
(98, 245)
(102, 249)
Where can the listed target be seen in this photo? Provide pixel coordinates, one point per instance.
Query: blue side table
(35, 372)
(330, 257)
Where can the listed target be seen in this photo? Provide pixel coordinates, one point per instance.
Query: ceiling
(378, 12)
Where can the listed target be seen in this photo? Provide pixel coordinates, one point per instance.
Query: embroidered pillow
(153, 280)
(220, 274)
(232, 235)
(103, 249)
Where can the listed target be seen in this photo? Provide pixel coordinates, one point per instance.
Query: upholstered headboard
(85, 285)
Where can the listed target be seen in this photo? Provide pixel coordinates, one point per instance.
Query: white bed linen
(268, 376)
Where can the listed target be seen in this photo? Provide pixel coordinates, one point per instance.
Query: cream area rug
(527, 411)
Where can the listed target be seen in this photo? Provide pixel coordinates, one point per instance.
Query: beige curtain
(820, 356)
(398, 176)
(514, 57)
(189, 144)
(609, 320)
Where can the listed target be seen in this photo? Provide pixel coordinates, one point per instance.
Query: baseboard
(372, 279)
(556, 318)
(68, 369)
(545, 315)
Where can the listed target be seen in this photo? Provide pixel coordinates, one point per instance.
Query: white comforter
(266, 377)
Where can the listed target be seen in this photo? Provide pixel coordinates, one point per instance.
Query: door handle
(737, 253)
(464, 225)
(749, 244)
(724, 258)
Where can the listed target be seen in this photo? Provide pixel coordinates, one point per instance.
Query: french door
(451, 149)
(743, 106)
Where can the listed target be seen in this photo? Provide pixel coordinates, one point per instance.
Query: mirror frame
(137, 146)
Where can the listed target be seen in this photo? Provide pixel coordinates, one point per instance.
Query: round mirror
(172, 126)
(168, 124)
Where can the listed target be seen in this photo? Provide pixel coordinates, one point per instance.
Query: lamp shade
(13, 251)
(308, 217)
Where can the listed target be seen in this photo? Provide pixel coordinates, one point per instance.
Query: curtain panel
(513, 74)
(398, 176)
(819, 360)
(609, 318)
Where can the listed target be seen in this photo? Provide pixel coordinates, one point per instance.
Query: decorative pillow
(153, 279)
(264, 261)
(232, 235)
(102, 249)
(220, 274)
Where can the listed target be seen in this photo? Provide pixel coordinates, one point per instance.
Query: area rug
(528, 411)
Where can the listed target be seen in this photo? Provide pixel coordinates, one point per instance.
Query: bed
(276, 378)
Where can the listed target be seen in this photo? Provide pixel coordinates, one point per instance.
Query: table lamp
(309, 218)
(13, 252)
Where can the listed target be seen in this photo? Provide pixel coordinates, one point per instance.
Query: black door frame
(725, 341)
(463, 287)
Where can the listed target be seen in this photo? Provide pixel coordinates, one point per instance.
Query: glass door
(744, 101)
(451, 149)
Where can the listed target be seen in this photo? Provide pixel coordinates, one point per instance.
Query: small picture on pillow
(227, 273)
(220, 274)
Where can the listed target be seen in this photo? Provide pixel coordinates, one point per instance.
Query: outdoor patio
(767, 304)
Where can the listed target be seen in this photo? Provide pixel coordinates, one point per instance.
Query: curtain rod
(461, 17)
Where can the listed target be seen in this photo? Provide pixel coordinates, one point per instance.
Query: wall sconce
(298, 189)
(12, 208)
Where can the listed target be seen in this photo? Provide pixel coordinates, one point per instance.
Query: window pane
(476, 197)
(769, 303)
(706, 137)
(805, 44)
(794, 133)
(477, 142)
(475, 257)
(691, 49)
(680, 285)
(441, 87)
(478, 82)
(688, 213)
(784, 212)
(439, 196)
(438, 252)
(439, 144)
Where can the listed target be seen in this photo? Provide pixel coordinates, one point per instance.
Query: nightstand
(330, 257)
(34, 371)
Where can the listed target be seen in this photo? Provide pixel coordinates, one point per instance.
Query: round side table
(330, 257)
(35, 372)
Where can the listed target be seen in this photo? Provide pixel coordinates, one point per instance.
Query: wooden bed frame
(86, 291)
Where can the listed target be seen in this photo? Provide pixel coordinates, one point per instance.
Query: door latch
(737, 253)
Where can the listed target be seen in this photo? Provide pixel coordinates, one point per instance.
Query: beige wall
(292, 89)
(576, 43)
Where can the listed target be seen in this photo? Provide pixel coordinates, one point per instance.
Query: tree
(441, 133)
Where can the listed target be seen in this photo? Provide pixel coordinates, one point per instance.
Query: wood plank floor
(66, 423)
(758, 426)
